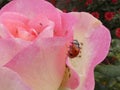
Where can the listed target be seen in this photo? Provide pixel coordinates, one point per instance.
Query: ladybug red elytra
(74, 49)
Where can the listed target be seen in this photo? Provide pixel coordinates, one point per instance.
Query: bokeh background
(107, 73)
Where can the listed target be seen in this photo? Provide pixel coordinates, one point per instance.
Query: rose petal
(10, 80)
(34, 9)
(9, 47)
(23, 34)
(13, 20)
(48, 31)
(14, 16)
(43, 26)
(4, 33)
(96, 41)
(42, 64)
(39, 23)
(70, 79)
(68, 21)
(100, 48)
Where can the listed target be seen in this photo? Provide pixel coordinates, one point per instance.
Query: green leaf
(109, 70)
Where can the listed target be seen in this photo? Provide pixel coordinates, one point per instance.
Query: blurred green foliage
(107, 74)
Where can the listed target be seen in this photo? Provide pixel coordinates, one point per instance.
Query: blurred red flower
(117, 32)
(68, 1)
(64, 10)
(95, 14)
(88, 2)
(114, 1)
(52, 1)
(109, 15)
(74, 9)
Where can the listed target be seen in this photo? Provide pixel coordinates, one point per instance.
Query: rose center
(23, 27)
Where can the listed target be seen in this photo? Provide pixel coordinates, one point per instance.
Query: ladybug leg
(81, 43)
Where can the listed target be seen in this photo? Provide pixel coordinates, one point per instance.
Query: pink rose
(35, 38)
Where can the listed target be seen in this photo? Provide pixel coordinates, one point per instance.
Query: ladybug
(74, 49)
